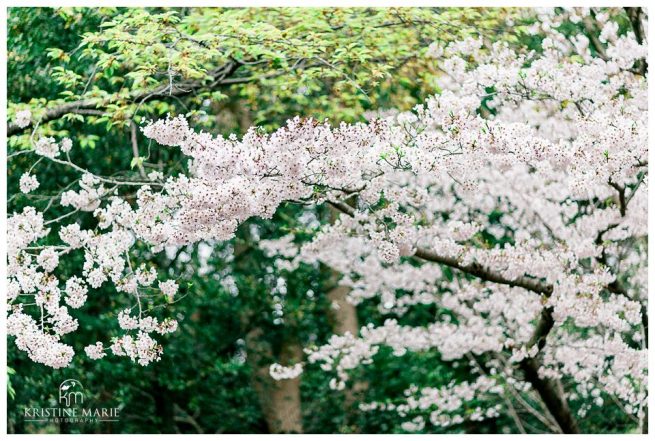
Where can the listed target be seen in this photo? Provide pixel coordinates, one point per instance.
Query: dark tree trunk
(549, 390)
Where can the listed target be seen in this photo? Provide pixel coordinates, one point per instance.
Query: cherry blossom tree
(515, 200)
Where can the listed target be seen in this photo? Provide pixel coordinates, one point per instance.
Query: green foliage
(265, 65)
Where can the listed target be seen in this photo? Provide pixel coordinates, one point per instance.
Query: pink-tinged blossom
(169, 289)
(279, 372)
(448, 405)
(170, 132)
(23, 118)
(95, 351)
(88, 198)
(28, 183)
(76, 292)
(143, 349)
(126, 321)
(66, 145)
(48, 259)
(47, 147)
(40, 347)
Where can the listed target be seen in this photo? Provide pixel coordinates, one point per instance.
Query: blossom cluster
(279, 372)
(446, 406)
(23, 118)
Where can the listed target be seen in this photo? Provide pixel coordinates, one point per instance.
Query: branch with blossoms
(540, 207)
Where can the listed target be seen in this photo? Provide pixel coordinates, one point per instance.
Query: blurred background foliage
(93, 74)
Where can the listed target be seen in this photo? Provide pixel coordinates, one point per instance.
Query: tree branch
(547, 389)
(182, 89)
(474, 269)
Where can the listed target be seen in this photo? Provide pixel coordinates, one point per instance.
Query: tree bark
(343, 319)
(343, 314)
(280, 400)
(549, 390)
